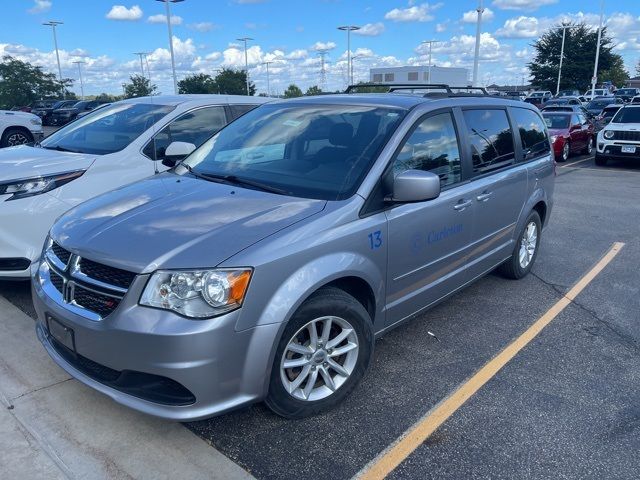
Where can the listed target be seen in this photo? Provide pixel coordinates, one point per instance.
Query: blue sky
(105, 33)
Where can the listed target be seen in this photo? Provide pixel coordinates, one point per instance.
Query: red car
(570, 133)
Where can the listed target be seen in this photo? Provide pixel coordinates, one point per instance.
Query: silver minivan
(264, 265)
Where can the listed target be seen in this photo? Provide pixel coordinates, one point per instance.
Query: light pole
(79, 63)
(268, 84)
(476, 57)
(143, 57)
(594, 79)
(53, 24)
(246, 59)
(173, 61)
(564, 31)
(349, 29)
(430, 42)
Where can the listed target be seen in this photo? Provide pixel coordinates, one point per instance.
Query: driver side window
(432, 147)
(194, 127)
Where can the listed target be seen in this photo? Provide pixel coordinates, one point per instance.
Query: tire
(15, 136)
(566, 152)
(600, 161)
(343, 310)
(589, 148)
(513, 268)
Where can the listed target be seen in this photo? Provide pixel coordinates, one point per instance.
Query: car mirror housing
(176, 152)
(415, 186)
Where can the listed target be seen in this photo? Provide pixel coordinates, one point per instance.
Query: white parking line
(574, 163)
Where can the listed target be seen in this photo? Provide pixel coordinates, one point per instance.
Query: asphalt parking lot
(566, 406)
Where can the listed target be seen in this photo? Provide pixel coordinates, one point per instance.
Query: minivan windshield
(108, 129)
(627, 115)
(303, 150)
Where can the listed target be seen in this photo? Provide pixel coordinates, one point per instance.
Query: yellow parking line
(388, 460)
(565, 165)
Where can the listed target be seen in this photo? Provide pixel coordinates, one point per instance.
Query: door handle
(462, 205)
(538, 171)
(484, 196)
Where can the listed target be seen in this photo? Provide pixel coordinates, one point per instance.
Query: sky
(291, 33)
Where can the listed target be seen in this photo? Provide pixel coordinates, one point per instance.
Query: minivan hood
(171, 221)
(26, 162)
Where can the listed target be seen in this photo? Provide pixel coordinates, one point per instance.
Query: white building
(455, 77)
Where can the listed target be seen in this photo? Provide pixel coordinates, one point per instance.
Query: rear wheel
(589, 147)
(526, 249)
(566, 151)
(323, 354)
(600, 160)
(15, 136)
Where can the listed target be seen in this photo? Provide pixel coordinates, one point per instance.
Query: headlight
(197, 293)
(35, 121)
(608, 134)
(37, 185)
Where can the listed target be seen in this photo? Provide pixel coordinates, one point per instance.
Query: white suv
(19, 128)
(110, 147)
(620, 139)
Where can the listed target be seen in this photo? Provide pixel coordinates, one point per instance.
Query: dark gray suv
(264, 265)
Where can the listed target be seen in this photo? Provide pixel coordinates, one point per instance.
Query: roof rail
(395, 87)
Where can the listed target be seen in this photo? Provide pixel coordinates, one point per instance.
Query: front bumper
(221, 367)
(24, 224)
(613, 150)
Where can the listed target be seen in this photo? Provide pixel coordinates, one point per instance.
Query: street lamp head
(244, 39)
(349, 28)
(52, 23)
(170, 1)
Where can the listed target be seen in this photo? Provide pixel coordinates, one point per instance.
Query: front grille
(626, 136)
(57, 281)
(62, 254)
(104, 273)
(96, 302)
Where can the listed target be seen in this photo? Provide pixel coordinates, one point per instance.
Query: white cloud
(414, 13)
(79, 52)
(323, 46)
(162, 18)
(40, 6)
(472, 16)
(520, 27)
(527, 5)
(202, 26)
(120, 12)
(371, 29)
(298, 54)
(441, 27)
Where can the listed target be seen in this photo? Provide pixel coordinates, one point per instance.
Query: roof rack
(448, 90)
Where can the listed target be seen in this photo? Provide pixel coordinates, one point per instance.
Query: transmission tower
(323, 72)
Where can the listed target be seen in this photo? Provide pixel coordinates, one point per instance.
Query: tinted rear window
(491, 139)
(533, 133)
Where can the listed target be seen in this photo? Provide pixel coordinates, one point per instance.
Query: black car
(46, 108)
(62, 116)
(595, 106)
(626, 94)
(605, 117)
(560, 101)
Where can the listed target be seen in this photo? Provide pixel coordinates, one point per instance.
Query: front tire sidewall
(4, 142)
(328, 301)
(511, 268)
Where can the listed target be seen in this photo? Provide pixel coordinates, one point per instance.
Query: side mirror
(176, 152)
(415, 186)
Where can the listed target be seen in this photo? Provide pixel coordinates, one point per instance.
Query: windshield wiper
(61, 149)
(233, 179)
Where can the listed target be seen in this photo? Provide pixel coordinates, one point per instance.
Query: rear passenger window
(533, 133)
(239, 110)
(433, 147)
(491, 139)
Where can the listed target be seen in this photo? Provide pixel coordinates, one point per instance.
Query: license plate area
(61, 333)
(628, 149)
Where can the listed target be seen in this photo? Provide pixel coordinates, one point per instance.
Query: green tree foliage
(22, 83)
(292, 91)
(197, 83)
(233, 82)
(107, 98)
(579, 56)
(314, 90)
(139, 87)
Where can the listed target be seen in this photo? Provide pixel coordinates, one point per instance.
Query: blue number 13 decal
(375, 239)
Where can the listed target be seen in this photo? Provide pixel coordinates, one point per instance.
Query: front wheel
(566, 151)
(15, 136)
(589, 147)
(323, 354)
(526, 249)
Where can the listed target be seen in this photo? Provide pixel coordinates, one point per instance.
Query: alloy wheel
(17, 139)
(528, 245)
(565, 151)
(319, 358)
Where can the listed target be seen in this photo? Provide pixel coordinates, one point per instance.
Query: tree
(579, 56)
(198, 83)
(107, 98)
(292, 91)
(314, 90)
(233, 82)
(638, 69)
(22, 83)
(139, 87)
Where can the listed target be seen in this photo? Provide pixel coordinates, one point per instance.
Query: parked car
(64, 115)
(620, 139)
(110, 147)
(595, 106)
(265, 264)
(539, 98)
(568, 108)
(515, 95)
(102, 105)
(570, 133)
(558, 101)
(626, 94)
(635, 100)
(19, 128)
(568, 93)
(45, 111)
(598, 92)
(605, 117)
